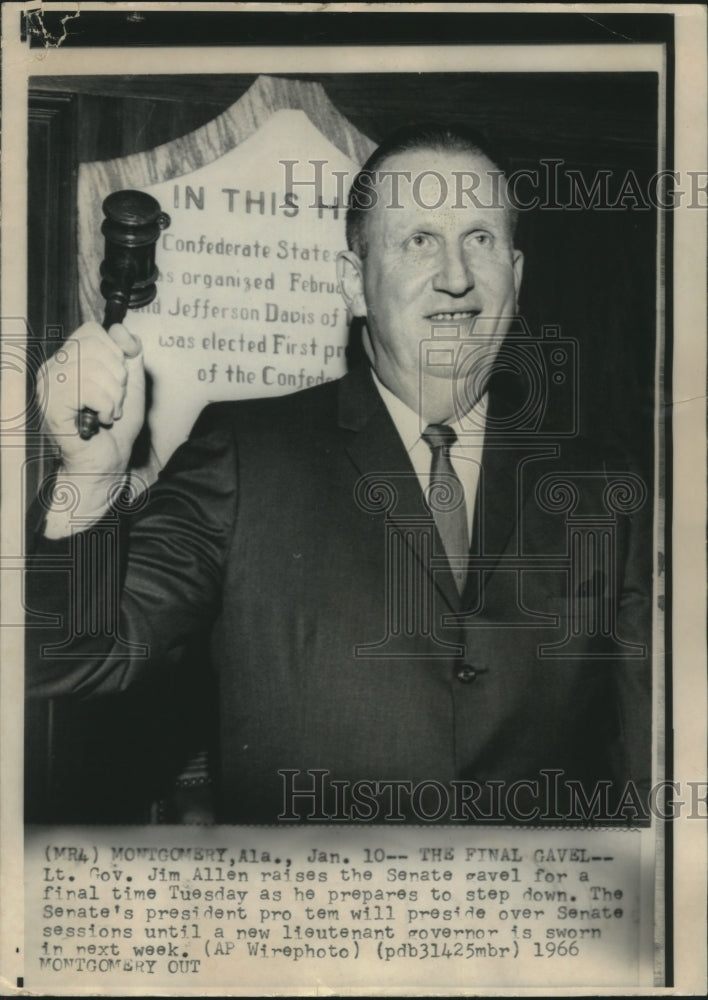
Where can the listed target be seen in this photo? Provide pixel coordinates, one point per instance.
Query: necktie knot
(439, 436)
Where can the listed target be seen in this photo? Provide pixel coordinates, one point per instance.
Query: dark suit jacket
(294, 527)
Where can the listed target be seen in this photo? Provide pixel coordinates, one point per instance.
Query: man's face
(450, 271)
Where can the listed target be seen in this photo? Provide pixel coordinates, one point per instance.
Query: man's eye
(481, 238)
(419, 241)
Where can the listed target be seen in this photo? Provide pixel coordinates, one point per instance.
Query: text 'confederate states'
(263, 906)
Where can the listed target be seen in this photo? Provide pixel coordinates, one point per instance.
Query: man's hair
(435, 137)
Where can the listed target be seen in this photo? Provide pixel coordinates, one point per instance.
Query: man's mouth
(453, 317)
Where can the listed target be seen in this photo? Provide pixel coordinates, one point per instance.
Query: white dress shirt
(465, 454)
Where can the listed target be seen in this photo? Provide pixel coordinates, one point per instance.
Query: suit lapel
(497, 505)
(503, 488)
(375, 448)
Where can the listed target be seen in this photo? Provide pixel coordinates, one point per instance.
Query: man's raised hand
(104, 372)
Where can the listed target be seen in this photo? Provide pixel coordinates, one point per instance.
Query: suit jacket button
(465, 673)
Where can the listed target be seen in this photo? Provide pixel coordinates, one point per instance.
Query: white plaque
(247, 301)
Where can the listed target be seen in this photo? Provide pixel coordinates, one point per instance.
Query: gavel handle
(116, 308)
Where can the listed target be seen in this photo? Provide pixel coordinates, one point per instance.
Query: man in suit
(422, 606)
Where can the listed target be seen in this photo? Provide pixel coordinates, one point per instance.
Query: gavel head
(131, 228)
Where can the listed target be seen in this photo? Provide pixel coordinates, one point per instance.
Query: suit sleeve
(109, 604)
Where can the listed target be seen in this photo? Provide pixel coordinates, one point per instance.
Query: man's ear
(350, 273)
(518, 265)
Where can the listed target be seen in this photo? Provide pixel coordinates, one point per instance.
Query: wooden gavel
(133, 222)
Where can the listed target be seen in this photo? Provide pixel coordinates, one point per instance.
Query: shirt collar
(408, 423)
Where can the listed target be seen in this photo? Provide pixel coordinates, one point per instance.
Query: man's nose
(455, 275)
